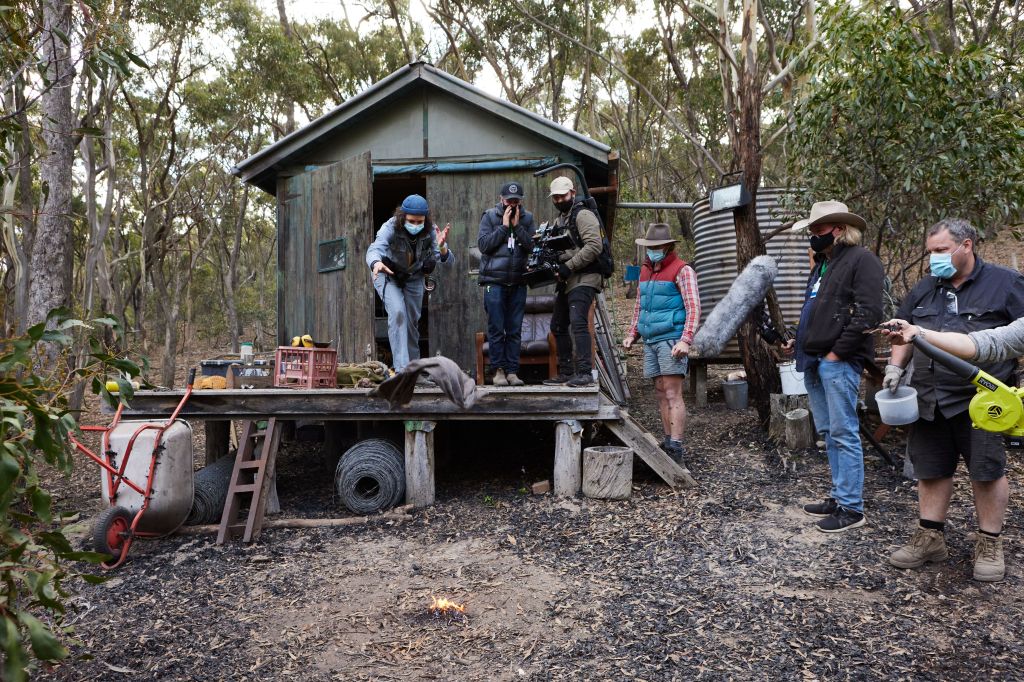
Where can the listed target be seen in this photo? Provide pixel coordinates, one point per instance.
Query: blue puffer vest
(662, 313)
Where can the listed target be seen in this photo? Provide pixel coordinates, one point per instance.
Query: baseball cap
(561, 186)
(512, 190)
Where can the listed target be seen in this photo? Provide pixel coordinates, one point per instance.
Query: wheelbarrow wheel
(110, 532)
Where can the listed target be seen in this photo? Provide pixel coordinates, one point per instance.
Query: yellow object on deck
(211, 383)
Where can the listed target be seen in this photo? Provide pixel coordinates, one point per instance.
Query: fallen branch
(397, 514)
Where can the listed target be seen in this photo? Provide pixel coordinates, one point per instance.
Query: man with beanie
(406, 249)
(579, 281)
(505, 242)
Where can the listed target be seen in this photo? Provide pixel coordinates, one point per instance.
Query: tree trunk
(50, 282)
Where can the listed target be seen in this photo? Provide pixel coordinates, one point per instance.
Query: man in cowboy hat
(962, 294)
(843, 300)
(666, 315)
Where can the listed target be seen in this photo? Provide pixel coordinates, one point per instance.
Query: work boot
(580, 380)
(826, 508)
(675, 451)
(926, 544)
(514, 380)
(558, 380)
(499, 377)
(988, 558)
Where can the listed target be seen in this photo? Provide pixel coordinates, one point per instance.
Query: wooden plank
(567, 475)
(532, 403)
(646, 448)
(419, 463)
(218, 439)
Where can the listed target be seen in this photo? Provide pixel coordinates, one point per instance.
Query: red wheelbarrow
(146, 477)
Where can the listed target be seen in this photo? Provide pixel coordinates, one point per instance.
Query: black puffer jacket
(498, 263)
(849, 302)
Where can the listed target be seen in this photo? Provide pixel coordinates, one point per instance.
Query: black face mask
(820, 242)
(564, 206)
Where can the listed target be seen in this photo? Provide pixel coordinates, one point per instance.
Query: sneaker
(514, 380)
(580, 380)
(826, 508)
(988, 558)
(926, 544)
(840, 520)
(676, 452)
(499, 378)
(558, 380)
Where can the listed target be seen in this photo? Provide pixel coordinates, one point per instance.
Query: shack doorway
(388, 193)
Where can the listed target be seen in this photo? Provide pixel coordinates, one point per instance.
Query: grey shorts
(658, 360)
(935, 448)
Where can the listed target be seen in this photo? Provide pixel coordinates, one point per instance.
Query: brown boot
(514, 380)
(988, 558)
(499, 378)
(926, 544)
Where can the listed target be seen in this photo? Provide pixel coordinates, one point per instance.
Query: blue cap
(414, 204)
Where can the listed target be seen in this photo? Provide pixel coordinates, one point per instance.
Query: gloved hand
(893, 374)
(563, 271)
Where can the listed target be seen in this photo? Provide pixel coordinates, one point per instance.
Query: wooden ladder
(252, 476)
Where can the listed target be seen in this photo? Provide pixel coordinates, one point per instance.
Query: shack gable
(417, 113)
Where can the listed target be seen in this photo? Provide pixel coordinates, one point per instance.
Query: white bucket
(792, 380)
(899, 408)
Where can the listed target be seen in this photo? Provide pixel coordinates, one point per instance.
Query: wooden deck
(552, 403)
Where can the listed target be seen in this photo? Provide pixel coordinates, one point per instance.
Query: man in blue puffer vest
(666, 315)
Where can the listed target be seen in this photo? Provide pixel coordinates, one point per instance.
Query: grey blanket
(453, 382)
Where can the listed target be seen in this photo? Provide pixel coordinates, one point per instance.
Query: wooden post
(568, 476)
(799, 434)
(608, 472)
(781, 405)
(218, 439)
(419, 463)
(698, 374)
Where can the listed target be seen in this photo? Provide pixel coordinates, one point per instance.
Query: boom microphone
(746, 293)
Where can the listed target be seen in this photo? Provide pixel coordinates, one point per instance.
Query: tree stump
(608, 472)
(780, 405)
(799, 434)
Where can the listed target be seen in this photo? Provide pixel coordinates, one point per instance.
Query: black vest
(412, 254)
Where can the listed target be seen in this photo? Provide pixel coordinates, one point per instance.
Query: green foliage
(34, 425)
(907, 135)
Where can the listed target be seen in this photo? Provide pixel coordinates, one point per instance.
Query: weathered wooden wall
(327, 203)
(456, 307)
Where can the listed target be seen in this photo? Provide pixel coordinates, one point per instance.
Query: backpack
(604, 264)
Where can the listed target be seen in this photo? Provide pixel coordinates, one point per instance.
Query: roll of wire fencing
(371, 476)
(211, 491)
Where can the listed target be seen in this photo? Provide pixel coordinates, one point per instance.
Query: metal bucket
(735, 394)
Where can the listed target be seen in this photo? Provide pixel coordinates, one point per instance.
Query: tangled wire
(371, 476)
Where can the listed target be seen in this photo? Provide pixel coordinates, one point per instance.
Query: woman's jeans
(832, 389)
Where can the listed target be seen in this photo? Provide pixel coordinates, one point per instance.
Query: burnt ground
(727, 581)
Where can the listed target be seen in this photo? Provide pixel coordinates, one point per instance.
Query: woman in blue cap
(406, 249)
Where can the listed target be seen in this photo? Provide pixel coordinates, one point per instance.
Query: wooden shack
(420, 130)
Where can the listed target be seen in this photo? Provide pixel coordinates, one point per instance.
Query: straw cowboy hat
(824, 212)
(658, 234)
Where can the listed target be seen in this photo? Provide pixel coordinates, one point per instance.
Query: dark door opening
(388, 193)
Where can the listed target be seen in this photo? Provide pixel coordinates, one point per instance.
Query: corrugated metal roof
(260, 168)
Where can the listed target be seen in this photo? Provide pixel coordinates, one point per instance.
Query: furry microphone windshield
(746, 293)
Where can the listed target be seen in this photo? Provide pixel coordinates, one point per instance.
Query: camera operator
(579, 281)
(406, 249)
(505, 241)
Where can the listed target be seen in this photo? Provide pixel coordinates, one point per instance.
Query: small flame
(445, 606)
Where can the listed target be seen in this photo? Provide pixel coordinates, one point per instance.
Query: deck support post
(218, 439)
(568, 478)
(419, 463)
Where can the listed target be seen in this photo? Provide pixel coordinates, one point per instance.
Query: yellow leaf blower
(996, 407)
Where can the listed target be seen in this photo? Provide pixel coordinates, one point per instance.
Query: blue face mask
(656, 255)
(414, 229)
(941, 264)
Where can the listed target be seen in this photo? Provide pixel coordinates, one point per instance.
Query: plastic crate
(306, 367)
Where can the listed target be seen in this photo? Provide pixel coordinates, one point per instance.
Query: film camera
(549, 242)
